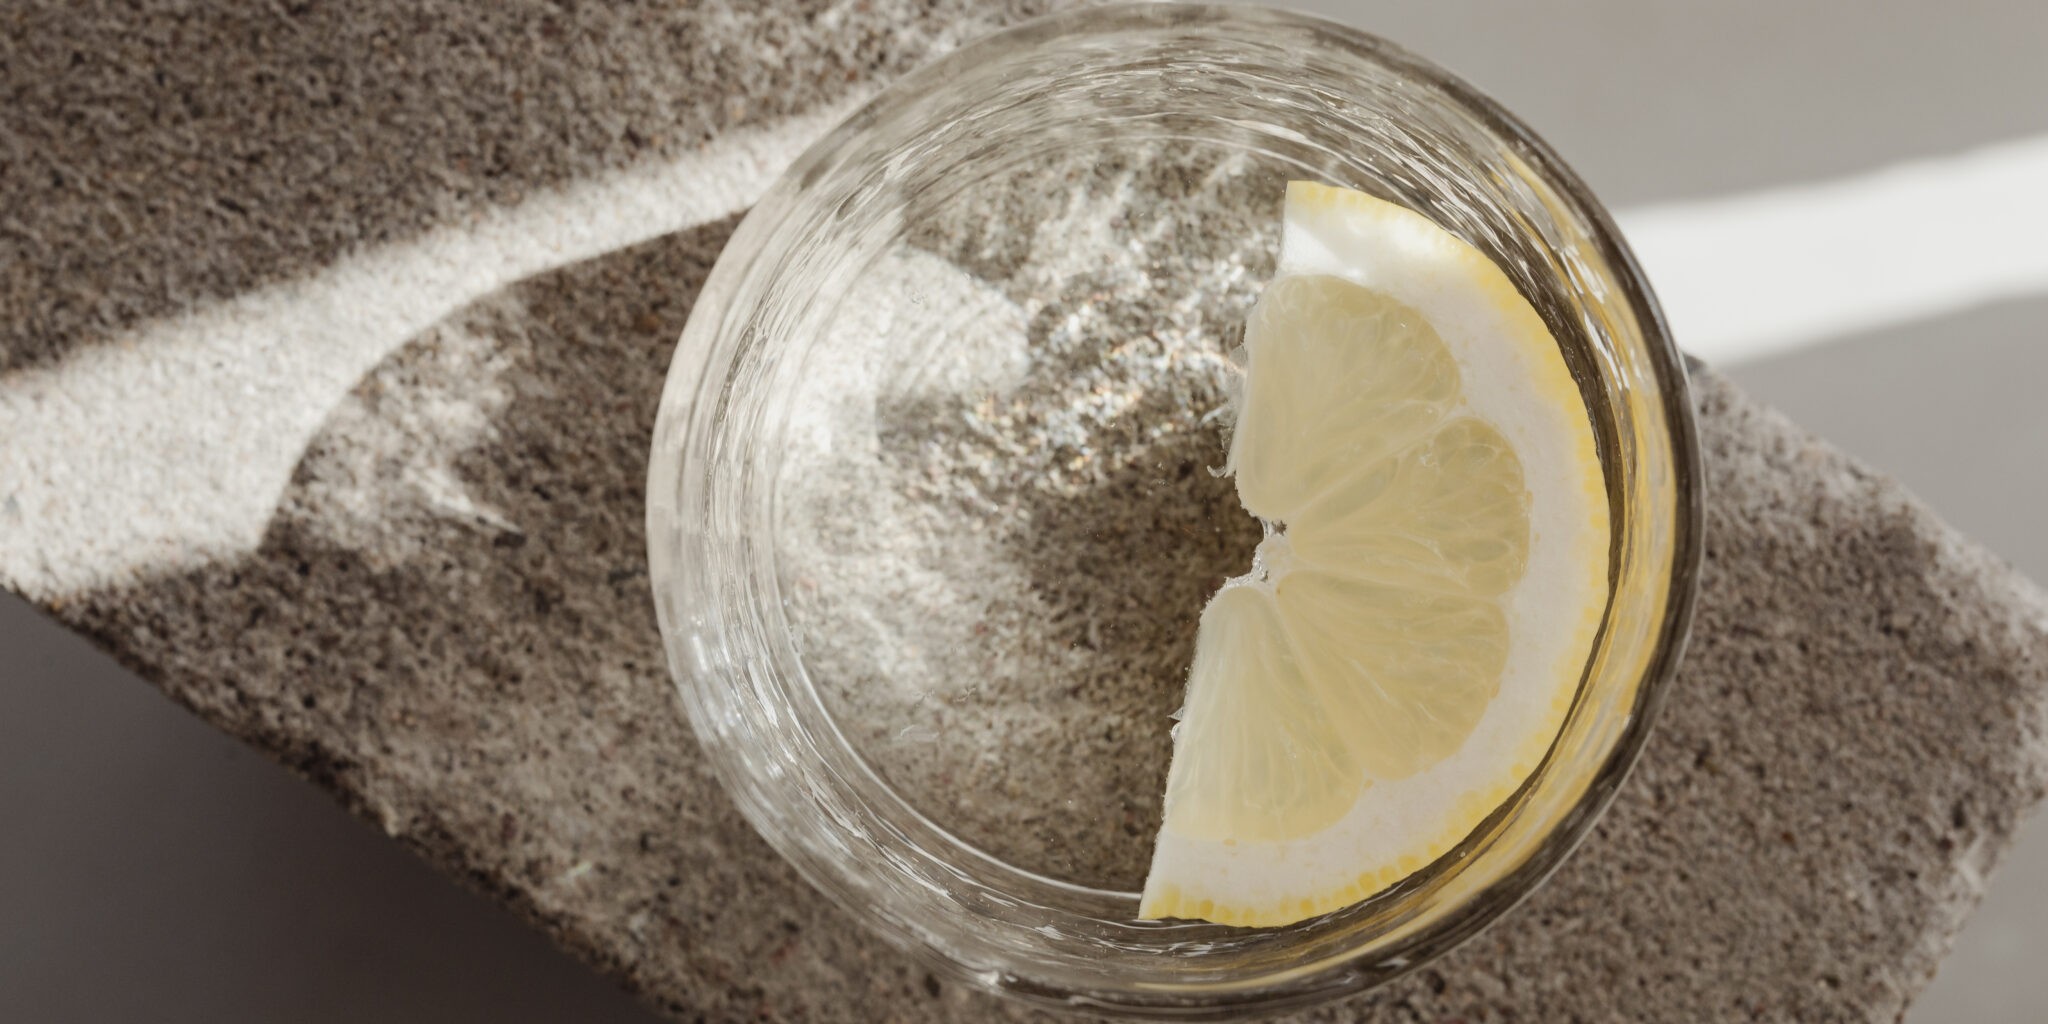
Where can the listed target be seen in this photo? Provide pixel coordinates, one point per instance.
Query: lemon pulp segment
(1415, 623)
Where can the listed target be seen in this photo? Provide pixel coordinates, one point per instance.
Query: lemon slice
(1416, 621)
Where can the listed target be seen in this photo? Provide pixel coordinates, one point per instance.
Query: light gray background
(151, 869)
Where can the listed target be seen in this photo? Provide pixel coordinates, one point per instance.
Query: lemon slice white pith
(1417, 619)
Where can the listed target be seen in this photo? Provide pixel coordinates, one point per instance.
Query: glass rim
(696, 383)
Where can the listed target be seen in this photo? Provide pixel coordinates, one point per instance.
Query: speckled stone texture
(446, 622)
(178, 153)
(1857, 727)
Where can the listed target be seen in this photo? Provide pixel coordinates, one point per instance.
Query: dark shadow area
(158, 156)
(155, 869)
(448, 627)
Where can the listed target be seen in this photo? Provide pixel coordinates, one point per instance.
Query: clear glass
(932, 513)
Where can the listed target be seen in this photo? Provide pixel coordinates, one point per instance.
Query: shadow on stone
(159, 157)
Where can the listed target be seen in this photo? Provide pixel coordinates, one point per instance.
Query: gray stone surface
(445, 624)
(1857, 727)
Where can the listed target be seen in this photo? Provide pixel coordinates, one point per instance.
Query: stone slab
(447, 626)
